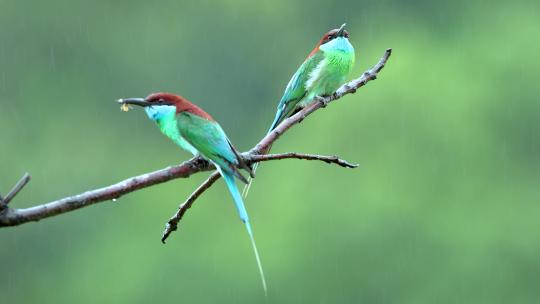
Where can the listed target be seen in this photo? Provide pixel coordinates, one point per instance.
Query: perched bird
(196, 131)
(322, 72)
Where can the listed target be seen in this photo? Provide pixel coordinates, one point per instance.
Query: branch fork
(4, 201)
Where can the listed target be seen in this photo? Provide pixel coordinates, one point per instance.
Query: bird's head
(160, 105)
(334, 40)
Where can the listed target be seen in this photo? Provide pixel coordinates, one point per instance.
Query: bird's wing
(211, 141)
(296, 88)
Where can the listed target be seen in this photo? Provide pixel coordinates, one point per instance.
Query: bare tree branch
(12, 217)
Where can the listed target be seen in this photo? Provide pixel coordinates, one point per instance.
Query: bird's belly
(328, 82)
(329, 75)
(168, 128)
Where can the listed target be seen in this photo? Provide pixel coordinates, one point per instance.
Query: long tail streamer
(229, 180)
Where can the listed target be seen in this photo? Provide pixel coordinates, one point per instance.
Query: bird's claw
(350, 89)
(322, 101)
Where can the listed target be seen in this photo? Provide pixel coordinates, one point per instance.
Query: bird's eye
(161, 101)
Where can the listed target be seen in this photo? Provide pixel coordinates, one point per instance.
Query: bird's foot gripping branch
(13, 216)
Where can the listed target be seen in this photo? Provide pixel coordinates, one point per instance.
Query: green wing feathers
(296, 88)
(211, 141)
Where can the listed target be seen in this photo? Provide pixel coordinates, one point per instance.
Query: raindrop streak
(52, 58)
(3, 81)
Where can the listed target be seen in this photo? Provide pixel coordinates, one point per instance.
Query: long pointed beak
(341, 30)
(134, 101)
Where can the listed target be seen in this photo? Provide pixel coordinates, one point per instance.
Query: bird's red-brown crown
(181, 104)
(332, 34)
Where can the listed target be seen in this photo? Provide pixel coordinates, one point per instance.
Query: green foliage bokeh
(443, 208)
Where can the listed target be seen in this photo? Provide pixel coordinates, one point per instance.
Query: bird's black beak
(134, 101)
(341, 30)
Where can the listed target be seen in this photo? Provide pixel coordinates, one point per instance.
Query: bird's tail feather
(259, 264)
(250, 180)
(239, 203)
(229, 180)
(277, 119)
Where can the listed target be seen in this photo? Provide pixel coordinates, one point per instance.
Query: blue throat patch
(338, 44)
(156, 113)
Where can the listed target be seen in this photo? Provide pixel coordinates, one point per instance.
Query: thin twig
(18, 187)
(172, 224)
(12, 217)
(327, 159)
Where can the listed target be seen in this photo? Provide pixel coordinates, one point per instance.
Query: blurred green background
(443, 208)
